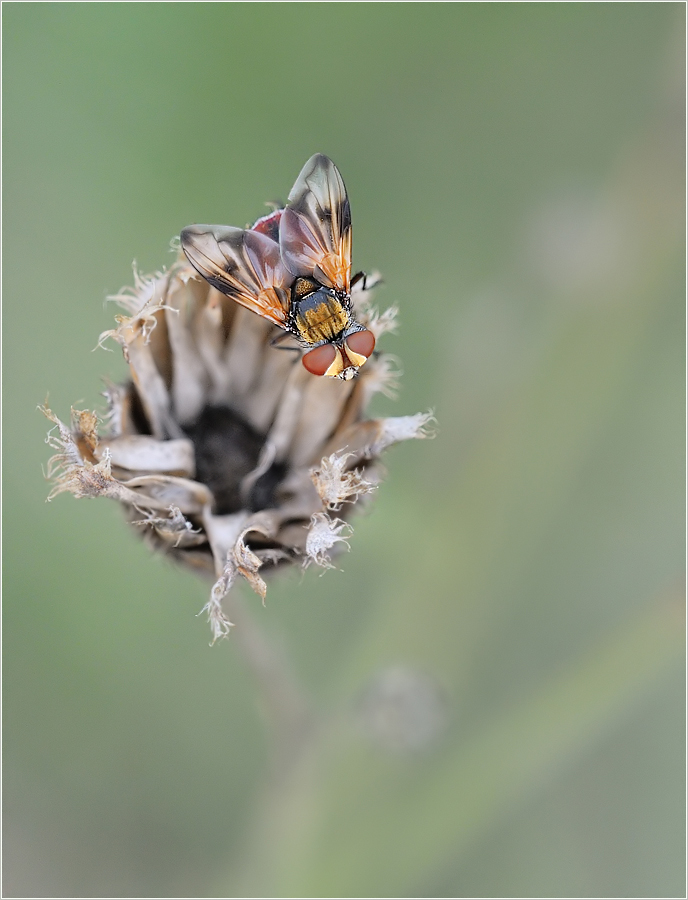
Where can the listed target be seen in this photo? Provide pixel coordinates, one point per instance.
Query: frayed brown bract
(337, 484)
(323, 535)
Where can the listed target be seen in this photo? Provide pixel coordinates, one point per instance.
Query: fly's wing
(315, 229)
(245, 265)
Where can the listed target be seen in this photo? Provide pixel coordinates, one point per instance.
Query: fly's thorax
(318, 313)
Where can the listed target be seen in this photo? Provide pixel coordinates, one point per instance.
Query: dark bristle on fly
(227, 449)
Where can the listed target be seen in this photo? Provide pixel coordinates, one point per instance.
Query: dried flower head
(226, 453)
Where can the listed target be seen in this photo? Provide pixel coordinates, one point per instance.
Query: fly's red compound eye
(361, 343)
(318, 361)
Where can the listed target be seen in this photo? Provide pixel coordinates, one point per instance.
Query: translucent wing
(245, 265)
(315, 229)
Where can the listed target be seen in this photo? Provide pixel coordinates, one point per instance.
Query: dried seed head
(226, 453)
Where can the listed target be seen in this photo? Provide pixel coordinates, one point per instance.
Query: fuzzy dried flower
(225, 453)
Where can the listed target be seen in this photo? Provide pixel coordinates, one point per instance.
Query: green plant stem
(286, 707)
(288, 794)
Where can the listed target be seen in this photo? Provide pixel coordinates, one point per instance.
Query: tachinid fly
(293, 267)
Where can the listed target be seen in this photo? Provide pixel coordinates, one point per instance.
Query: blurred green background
(516, 173)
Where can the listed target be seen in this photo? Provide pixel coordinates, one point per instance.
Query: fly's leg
(362, 283)
(362, 287)
(283, 336)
